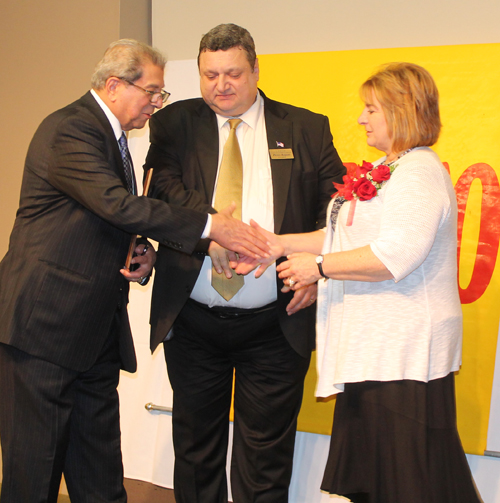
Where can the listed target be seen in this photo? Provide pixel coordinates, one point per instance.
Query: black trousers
(207, 349)
(55, 420)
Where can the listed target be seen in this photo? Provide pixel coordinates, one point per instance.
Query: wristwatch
(319, 261)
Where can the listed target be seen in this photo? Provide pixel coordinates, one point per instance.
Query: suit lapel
(279, 131)
(91, 104)
(206, 145)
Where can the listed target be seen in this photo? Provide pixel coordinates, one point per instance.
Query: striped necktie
(127, 164)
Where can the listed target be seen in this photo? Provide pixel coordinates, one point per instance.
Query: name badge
(281, 153)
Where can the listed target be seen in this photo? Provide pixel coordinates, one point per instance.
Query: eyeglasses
(153, 96)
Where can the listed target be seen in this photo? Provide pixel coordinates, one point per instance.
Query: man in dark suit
(263, 335)
(64, 329)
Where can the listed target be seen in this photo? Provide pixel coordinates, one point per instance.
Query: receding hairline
(205, 51)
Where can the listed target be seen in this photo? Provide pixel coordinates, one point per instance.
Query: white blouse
(409, 327)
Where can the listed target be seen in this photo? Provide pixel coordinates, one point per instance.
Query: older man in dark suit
(64, 329)
(284, 164)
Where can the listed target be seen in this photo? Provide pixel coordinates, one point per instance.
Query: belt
(233, 312)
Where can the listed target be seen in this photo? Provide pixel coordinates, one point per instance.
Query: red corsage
(367, 182)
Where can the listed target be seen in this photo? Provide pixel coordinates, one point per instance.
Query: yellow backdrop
(468, 79)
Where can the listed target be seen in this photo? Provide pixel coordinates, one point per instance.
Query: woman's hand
(299, 270)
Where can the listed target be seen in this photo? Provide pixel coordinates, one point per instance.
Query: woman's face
(373, 118)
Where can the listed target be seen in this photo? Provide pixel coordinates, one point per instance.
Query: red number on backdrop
(489, 227)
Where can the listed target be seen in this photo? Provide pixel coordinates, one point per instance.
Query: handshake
(241, 248)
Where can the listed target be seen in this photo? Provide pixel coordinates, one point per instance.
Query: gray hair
(227, 36)
(125, 59)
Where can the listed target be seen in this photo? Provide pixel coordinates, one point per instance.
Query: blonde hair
(410, 101)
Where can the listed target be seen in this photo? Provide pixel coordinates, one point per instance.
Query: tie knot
(234, 123)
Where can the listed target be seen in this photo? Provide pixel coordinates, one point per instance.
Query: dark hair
(227, 36)
(410, 101)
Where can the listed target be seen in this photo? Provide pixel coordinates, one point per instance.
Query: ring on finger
(291, 282)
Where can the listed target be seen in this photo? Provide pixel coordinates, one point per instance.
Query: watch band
(319, 261)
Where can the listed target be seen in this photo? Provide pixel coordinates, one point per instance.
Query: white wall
(285, 26)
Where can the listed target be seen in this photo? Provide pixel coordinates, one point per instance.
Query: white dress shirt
(257, 204)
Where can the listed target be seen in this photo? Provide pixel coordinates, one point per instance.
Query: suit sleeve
(170, 140)
(82, 167)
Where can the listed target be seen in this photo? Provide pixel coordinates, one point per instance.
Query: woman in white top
(389, 319)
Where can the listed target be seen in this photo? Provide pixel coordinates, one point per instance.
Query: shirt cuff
(208, 227)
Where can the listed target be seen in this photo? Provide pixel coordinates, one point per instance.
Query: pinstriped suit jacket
(60, 284)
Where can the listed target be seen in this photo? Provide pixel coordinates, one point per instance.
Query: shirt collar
(115, 123)
(250, 117)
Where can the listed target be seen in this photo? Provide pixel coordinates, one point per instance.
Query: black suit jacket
(184, 155)
(60, 285)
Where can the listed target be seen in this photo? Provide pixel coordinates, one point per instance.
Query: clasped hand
(299, 270)
(229, 262)
(145, 256)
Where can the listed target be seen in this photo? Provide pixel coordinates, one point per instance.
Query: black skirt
(397, 442)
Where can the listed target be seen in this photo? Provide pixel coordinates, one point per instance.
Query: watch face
(319, 259)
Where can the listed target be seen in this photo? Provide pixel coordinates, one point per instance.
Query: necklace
(399, 156)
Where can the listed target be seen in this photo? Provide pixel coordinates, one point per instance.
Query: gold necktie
(229, 189)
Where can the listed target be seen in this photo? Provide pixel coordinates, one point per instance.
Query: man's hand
(223, 260)
(234, 235)
(145, 256)
(302, 298)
